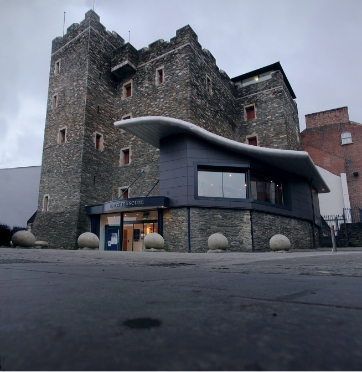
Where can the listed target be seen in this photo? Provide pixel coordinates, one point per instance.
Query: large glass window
(266, 189)
(221, 184)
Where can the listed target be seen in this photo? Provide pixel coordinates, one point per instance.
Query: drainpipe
(311, 195)
(188, 230)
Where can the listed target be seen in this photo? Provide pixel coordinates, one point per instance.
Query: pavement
(96, 310)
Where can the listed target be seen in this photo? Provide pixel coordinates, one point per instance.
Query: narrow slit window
(62, 136)
(55, 101)
(160, 76)
(98, 141)
(126, 156)
(57, 67)
(250, 112)
(45, 203)
(208, 85)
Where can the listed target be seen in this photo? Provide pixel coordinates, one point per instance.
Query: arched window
(346, 137)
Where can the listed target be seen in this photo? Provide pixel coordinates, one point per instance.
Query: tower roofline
(273, 66)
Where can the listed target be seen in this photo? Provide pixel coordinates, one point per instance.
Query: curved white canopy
(152, 129)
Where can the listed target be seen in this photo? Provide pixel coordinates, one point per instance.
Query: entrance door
(112, 237)
(124, 243)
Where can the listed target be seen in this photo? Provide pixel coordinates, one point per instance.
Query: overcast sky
(318, 43)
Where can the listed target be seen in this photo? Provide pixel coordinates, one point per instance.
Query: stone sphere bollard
(279, 242)
(154, 243)
(23, 239)
(88, 240)
(217, 243)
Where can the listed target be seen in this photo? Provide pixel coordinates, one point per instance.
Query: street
(96, 310)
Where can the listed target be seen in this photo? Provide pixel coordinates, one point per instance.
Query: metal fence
(349, 215)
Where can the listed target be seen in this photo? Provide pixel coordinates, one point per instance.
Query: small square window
(208, 85)
(127, 90)
(160, 77)
(57, 67)
(346, 137)
(99, 142)
(62, 135)
(123, 192)
(253, 141)
(55, 101)
(127, 116)
(250, 112)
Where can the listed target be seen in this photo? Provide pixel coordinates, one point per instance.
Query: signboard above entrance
(129, 204)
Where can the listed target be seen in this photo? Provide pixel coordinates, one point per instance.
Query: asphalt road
(92, 310)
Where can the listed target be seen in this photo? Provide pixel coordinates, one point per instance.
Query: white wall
(333, 203)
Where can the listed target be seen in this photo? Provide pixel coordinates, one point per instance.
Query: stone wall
(299, 232)
(175, 231)
(276, 123)
(233, 224)
(351, 235)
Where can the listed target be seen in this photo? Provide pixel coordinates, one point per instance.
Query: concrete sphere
(88, 240)
(23, 238)
(217, 241)
(154, 240)
(279, 242)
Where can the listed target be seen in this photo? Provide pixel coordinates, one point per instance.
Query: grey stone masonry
(233, 224)
(96, 79)
(299, 232)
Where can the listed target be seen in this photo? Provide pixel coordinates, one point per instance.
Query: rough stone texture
(88, 240)
(217, 241)
(279, 242)
(175, 229)
(351, 235)
(322, 140)
(276, 124)
(154, 240)
(90, 98)
(23, 238)
(233, 224)
(265, 226)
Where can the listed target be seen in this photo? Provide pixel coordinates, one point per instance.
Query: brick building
(97, 79)
(334, 142)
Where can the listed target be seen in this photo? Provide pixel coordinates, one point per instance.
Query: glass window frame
(221, 169)
(248, 170)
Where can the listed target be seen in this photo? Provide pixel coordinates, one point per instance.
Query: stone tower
(80, 140)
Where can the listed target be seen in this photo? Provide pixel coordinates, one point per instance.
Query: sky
(317, 42)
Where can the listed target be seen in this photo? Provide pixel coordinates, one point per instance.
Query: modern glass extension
(216, 183)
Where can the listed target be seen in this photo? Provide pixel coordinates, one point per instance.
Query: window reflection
(266, 189)
(221, 184)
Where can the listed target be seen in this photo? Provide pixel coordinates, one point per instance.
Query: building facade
(334, 142)
(97, 79)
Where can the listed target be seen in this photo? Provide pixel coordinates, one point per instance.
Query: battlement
(334, 116)
(91, 19)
